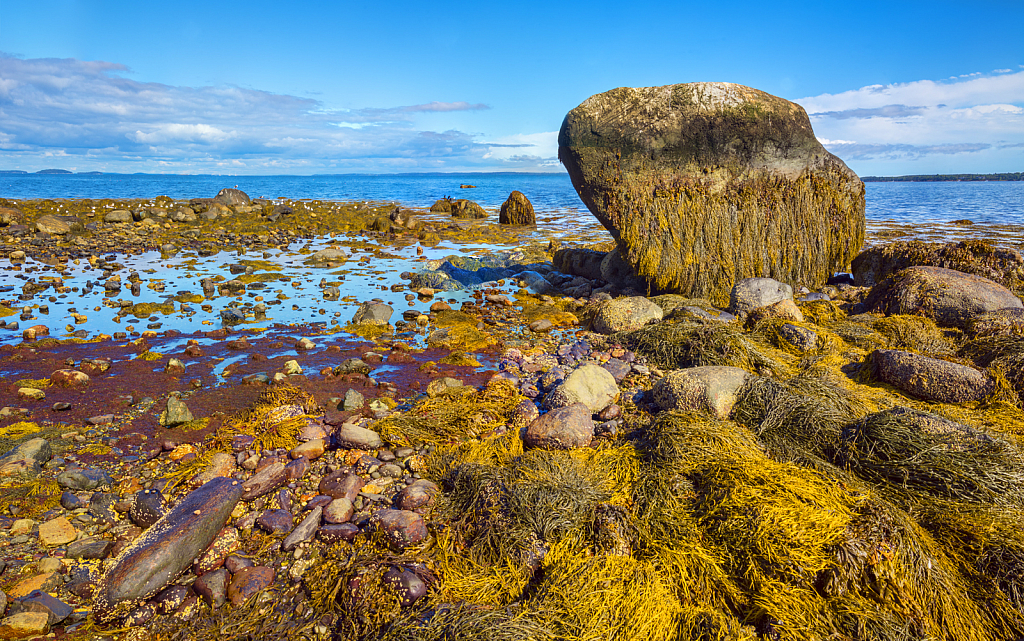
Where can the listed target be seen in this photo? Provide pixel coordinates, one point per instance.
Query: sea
(895, 210)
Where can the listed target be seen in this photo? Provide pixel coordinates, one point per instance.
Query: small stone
(176, 413)
(353, 401)
(406, 584)
(339, 510)
(312, 450)
(292, 367)
(248, 582)
(304, 531)
(336, 532)
(213, 587)
(342, 484)
(589, 384)
(352, 436)
(90, 549)
(69, 378)
(275, 521)
(400, 528)
(419, 494)
(24, 624)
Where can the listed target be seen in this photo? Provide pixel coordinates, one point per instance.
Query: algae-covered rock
(706, 183)
(949, 297)
(463, 208)
(10, 216)
(59, 225)
(930, 379)
(443, 205)
(372, 313)
(626, 314)
(978, 257)
(517, 210)
(712, 390)
(579, 262)
(1002, 322)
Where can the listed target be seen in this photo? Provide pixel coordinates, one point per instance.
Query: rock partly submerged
(703, 184)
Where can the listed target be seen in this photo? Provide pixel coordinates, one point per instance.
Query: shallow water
(292, 292)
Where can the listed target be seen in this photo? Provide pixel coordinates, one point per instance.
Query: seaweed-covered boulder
(930, 379)
(10, 216)
(711, 390)
(564, 428)
(949, 297)
(978, 257)
(463, 208)
(705, 183)
(517, 210)
(443, 205)
(26, 459)
(328, 254)
(232, 197)
(615, 270)
(1002, 322)
(626, 314)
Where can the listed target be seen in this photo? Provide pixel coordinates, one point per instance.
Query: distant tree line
(945, 178)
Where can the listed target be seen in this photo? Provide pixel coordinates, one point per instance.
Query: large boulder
(517, 210)
(579, 262)
(930, 379)
(706, 183)
(978, 257)
(950, 298)
(59, 225)
(232, 197)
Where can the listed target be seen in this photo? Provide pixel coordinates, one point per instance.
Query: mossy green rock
(703, 184)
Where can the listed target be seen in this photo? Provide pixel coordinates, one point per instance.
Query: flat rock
(710, 390)
(24, 625)
(167, 548)
(339, 510)
(950, 298)
(342, 484)
(590, 384)
(372, 314)
(563, 428)
(930, 379)
(265, 481)
(275, 521)
(626, 314)
(304, 531)
(56, 532)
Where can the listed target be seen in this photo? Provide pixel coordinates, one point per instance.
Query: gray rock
(711, 390)
(176, 413)
(751, 293)
(930, 379)
(353, 401)
(590, 384)
(39, 601)
(354, 437)
(372, 314)
(304, 531)
(83, 479)
(26, 459)
(625, 315)
(89, 549)
(232, 197)
(59, 225)
(562, 429)
(265, 481)
(339, 510)
(167, 548)
(949, 297)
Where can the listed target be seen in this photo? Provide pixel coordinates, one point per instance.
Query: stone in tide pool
(167, 548)
(517, 210)
(676, 172)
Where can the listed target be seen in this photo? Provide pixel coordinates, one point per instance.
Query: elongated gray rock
(167, 548)
(930, 379)
(705, 183)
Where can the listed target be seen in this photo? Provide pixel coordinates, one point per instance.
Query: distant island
(945, 178)
(54, 171)
(19, 172)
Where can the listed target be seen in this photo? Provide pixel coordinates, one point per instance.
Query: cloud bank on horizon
(965, 124)
(88, 116)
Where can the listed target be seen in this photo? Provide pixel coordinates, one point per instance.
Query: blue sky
(298, 88)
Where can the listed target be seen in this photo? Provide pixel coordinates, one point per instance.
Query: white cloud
(968, 124)
(91, 112)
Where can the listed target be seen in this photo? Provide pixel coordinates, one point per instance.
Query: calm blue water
(981, 202)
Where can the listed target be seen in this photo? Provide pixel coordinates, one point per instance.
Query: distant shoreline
(946, 178)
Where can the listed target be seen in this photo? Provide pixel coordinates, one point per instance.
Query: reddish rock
(400, 528)
(562, 429)
(249, 581)
(69, 378)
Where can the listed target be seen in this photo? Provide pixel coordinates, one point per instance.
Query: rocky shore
(542, 445)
